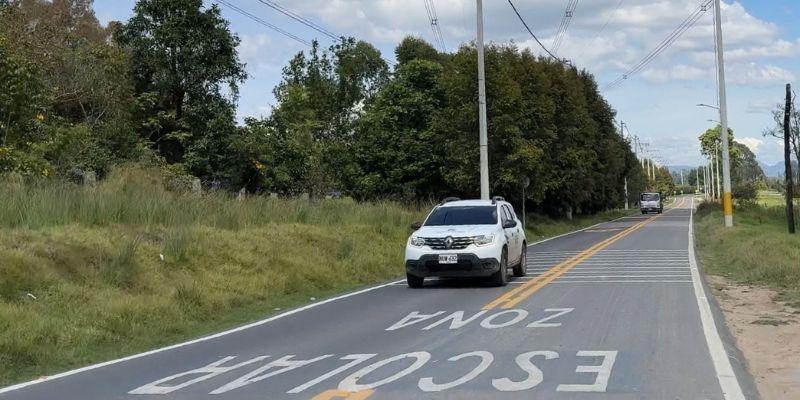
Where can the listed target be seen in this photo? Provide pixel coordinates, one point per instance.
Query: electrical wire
(565, 21)
(430, 8)
(687, 23)
(299, 18)
(264, 23)
(531, 32)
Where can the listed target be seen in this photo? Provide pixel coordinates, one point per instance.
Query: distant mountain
(772, 171)
(678, 168)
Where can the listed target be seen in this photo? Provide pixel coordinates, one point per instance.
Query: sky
(606, 37)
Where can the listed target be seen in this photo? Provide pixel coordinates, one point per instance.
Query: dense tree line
(163, 86)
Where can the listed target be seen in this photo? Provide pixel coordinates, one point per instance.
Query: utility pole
(716, 165)
(697, 179)
(622, 133)
(727, 199)
(787, 156)
(484, 141)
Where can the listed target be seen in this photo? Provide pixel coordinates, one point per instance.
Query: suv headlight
(483, 240)
(417, 241)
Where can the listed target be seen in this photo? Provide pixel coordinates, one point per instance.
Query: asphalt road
(617, 311)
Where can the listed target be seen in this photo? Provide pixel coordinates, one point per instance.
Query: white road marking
(627, 276)
(535, 376)
(603, 372)
(456, 320)
(357, 359)
(722, 365)
(427, 384)
(209, 371)
(277, 367)
(558, 312)
(190, 342)
(351, 384)
(488, 324)
(414, 317)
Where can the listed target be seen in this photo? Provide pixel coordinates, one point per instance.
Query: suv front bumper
(469, 265)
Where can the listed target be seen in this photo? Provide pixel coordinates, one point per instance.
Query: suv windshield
(466, 215)
(650, 197)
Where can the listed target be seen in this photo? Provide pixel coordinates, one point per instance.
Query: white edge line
(190, 342)
(727, 378)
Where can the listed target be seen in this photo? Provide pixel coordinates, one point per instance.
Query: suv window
(463, 215)
(510, 211)
(506, 213)
(650, 197)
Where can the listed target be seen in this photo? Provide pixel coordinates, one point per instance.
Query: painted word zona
(361, 373)
(487, 320)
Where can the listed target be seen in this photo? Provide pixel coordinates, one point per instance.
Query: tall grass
(133, 196)
(757, 250)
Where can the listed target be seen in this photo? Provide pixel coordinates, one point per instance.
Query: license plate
(448, 259)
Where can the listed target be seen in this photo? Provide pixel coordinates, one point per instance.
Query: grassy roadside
(756, 251)
(92, 275)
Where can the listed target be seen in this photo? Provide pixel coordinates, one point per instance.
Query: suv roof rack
(449, 199)
(495, 199)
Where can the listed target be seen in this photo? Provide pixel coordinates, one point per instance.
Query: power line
(264, 23)
(687, 23)
(605, 25)
(430, 8)
(531, 32)
(299, 18)
(565, 21)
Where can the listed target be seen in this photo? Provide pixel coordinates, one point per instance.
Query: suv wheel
(500, 278)
(522, 268)
(414, 281)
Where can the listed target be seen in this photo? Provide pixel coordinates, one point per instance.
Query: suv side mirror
(509, 223)
(416, 225)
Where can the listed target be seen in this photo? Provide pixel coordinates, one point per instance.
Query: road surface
(617, 311)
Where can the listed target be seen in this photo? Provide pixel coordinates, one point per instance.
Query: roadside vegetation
(756, 251)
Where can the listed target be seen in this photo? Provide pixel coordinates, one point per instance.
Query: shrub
(746, 192)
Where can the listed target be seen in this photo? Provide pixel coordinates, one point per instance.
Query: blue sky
(762, 47)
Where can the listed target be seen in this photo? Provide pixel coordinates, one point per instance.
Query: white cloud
(760, 105)
(751, 143)
(759, 75)
(676, 73)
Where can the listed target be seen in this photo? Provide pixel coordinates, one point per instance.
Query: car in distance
(467, 238)
(651, 201)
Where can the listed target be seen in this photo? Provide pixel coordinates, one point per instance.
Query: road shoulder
(767, 332)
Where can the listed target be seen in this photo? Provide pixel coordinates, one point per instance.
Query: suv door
(513, 236)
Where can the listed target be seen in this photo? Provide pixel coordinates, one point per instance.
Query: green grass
(88, 275)
(756, 251)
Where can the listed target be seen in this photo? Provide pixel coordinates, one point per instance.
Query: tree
(745, 167)
(320, 99)
(85, 76)
(414, 48)
(397, 152)
(182, 57)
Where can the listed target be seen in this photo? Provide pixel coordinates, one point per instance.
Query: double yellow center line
(522, 292)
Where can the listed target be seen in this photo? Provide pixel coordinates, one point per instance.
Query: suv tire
(500, 278)
(522, 268)
(414, 281)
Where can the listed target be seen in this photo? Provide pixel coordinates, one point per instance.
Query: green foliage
(745, 192)
(21, 102)
(186, 74)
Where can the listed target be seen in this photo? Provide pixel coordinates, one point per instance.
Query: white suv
(462, 238)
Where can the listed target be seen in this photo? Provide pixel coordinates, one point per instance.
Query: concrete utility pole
(716, 166)
(484, 141)
(622, 134)
(727, 199)
(697, 178)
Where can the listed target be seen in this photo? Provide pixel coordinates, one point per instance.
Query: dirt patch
(768, 334)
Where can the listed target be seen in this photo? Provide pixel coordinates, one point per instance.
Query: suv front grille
(459, 243)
